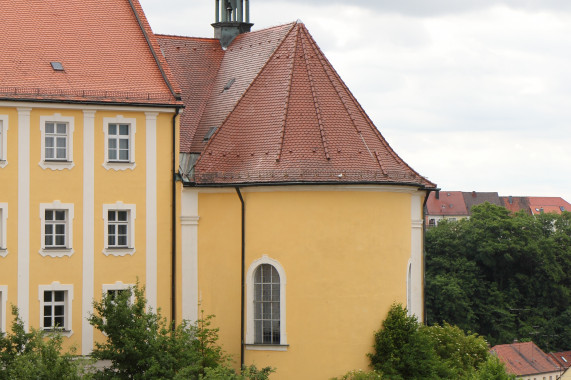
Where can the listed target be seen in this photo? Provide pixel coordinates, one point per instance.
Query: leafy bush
(36, 355)
(405, 349)
(141, 344)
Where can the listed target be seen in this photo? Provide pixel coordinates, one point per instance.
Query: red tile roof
(563, 359)
(287, 117)
(524, 358)
(448, 203)
(540, 205)
(515, 204)
(474, 198)
(106, 47)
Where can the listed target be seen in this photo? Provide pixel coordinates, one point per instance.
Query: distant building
(456, 205)
(527, 361)
(563, 359)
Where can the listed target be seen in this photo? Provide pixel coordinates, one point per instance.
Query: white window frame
(68, 249)
(66, 329)
(120, 165)
(3, 227)
(131, 216)
(3, 299)
(3, 140)
(118, 286)
(250, 328)
(55, 164)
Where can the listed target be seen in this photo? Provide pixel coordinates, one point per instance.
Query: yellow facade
(86, 186)
(344, 252)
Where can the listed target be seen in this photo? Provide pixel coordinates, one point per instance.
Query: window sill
(66, 333)
(56, 252)
(119, 165)
(267, 347)
(56, 164)
(118, 251)
(3, 163)
(3, 252)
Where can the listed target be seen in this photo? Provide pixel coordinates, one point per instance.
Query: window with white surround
(57, 141)
(3, 223)
(3, 140)
(55, 307)
(57, 229)
(114, 290)
(3, 299)
(119, 142)
(265, 309)
(119, 234)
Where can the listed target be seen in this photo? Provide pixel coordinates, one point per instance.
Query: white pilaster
(415, 285)
(24, 214)
(151, 206)
(88, 229)
(189, 263)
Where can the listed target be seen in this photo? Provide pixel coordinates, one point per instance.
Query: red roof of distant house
(448, 203)
(524, 358)
(539, 205)
(106, 49)
(563, 359)
(515, 204)
(282, 114)
(474, 198)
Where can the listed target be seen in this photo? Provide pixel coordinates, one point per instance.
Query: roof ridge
(315, 99)
(367, 118)
(153, 44)
(178, 36)
(212, 138)
(286, 105)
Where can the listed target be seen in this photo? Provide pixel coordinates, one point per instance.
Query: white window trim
(67, 329)
(132, 130)
(250, 334)
(57, 165)
(3, 299)
(3, 140)
(120, 206)
(118, 285)
(68, 250)
(3, 227)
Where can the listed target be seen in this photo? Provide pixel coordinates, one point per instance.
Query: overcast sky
(473, 94)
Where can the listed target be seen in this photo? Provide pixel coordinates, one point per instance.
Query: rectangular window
(118, 229)
(118, 142)
(55, 229)
(54, 309)
(56, 135)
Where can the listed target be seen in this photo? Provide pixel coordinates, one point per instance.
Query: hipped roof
(524, 359)
(106, 47)
(284, 117)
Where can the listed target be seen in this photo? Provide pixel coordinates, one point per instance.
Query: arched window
(266, 305)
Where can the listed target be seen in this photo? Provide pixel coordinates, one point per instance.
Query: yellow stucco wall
(109, 186)
(345, 256)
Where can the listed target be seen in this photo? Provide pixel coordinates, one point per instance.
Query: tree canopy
(505, 276)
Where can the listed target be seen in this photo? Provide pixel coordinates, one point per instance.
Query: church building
(235, 175)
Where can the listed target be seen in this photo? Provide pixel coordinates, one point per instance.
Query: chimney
(232, 17)
(437, 194)
(510, 200)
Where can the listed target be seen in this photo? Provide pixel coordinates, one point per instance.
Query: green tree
(505, 276)
(405, 349)
(141, 344)
(36, 355)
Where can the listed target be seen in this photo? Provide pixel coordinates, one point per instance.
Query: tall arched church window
(266, 305)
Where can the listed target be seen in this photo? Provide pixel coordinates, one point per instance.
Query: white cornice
(66, 106)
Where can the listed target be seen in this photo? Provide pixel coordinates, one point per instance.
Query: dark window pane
(60, 215)
(112, 129)
(47, 311)
(59, 322)
(111, 240)
(61, 128)
(59, 310)
(47, 322)
(49, 215)
(47, 296)
(59, 295)
(258, 330)
(60, 229)
(124, 129)
(122, 241)
(123, 155)
(49, 127)
(60, 241)
(122, 216)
